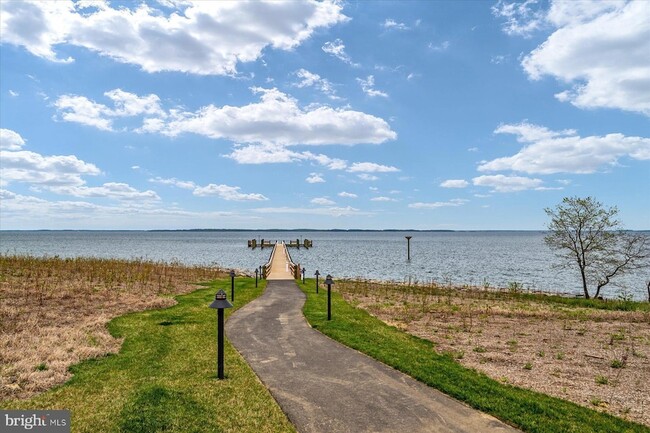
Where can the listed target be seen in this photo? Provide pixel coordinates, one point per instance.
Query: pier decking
(280, 266)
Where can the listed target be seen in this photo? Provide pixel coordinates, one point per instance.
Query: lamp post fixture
(261, 273)
(256, 273)
(220, 302)
(317, 274)
(408, 247)
(329, 282)
(303, 275)
(232, 286)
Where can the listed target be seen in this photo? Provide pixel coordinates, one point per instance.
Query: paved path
(324, 386)
(280, 264)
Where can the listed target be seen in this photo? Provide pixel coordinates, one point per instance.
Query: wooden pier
(253, 243)
(280, 265)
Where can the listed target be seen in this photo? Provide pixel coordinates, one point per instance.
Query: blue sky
(425, 115)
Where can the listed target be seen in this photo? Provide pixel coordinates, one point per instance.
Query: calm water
(497, 258)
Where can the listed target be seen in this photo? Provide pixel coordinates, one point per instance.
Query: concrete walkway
(324, 386)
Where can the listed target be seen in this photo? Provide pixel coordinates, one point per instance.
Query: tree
(588, 234)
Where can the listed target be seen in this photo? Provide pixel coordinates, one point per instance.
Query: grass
(164, 377)
(530, 411)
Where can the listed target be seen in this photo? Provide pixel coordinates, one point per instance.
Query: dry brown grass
(54, 311)
(596, 358)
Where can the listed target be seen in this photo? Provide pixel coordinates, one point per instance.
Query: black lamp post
(408, 247)
(256, 272)
(303, 275)
(317, 274)
(232, 286)
(261, 273)
(220, 302)
(329, 282)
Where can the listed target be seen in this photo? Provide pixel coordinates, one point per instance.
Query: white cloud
(33, 168)
(323, 201)
(309, 79)
(113, 190)
(264, 154)
(368, 87)
(454, 183)
(391, 24)
(371, 167)
(472, 149)
(440, 47)
(546, 151)
(521, 18)
(367, 177)
(276, 120)
(315, 178)
(438, 204)
(226, 192)
(13, 94)
(336, 48)
(599, 48)
(382, 198)
(196, 37)
(80, 109)
(326, 161)
(184, 184)
(29, 212)
(10, 140)
(501, 183)
(347, 194)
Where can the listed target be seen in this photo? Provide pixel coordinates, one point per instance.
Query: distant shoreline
(290, 230)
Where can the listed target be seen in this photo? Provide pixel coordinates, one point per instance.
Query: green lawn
(164, 378)
(530, 411)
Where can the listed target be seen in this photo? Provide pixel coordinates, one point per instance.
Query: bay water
(495, 259)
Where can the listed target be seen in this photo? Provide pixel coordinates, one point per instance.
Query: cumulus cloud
(113, 190)
(323, 201)
(371, 167)
(454, 183)
(61, 174)
(183, 184)
(55, 170)
(368, 87)
(547, 152)
(347, 194)
(80, 109)
(194, 36)
(276, 120)
(226, 192)
(501, 183)
(599, 48)
(10, 140)
(315, 178)
(382, 198)
(438, 204)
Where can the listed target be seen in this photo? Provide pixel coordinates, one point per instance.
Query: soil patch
(593, 357)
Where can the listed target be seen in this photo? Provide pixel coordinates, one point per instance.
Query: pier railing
(293, 267)
(267, 267)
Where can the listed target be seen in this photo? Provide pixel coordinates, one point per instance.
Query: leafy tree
(588, 235)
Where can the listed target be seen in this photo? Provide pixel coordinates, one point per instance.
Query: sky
(461, 115)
